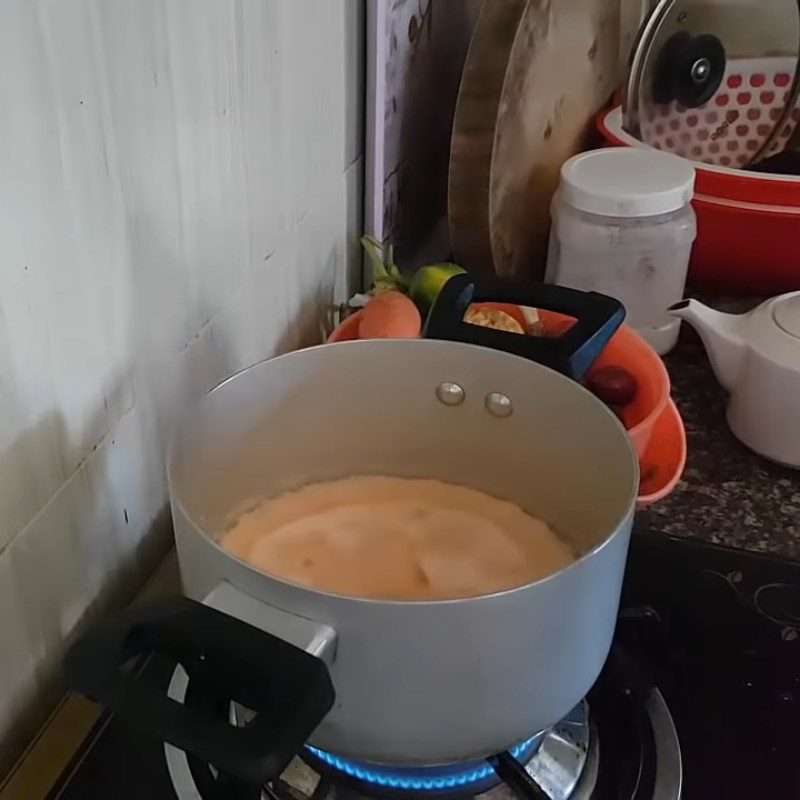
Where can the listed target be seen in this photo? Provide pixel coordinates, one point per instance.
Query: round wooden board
(536, 73)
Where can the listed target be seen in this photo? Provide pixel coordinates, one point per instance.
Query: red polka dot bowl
(748, 222)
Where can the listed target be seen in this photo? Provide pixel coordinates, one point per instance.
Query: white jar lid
(626, 182)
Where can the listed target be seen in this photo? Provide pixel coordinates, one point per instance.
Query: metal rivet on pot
(451, 394)
(499, 404)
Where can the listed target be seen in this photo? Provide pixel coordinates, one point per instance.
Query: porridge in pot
(396, 538)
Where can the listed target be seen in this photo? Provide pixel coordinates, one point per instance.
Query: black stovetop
(717, 630)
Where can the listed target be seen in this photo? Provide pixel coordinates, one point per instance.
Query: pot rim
(618, 526)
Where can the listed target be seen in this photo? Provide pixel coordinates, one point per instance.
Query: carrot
(389, 315)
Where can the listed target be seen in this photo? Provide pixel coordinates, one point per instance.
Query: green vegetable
(424, 287)
(428, 282)
(385, 274)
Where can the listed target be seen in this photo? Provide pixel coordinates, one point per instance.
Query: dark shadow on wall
(52, 566)
(438, 35)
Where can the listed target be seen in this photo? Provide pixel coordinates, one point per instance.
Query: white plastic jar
(623, 225)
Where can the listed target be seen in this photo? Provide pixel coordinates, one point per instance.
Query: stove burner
(552, 764)
(553, 760)
(630, 726)
(463, 778)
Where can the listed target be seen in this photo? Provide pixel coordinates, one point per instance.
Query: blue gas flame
(430, 779)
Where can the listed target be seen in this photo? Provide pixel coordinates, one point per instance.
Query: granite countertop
(728, 494)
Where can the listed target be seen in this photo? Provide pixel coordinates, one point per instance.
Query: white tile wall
(179, 197)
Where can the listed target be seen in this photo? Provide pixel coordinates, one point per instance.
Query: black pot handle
(289, 690)
(572, 353)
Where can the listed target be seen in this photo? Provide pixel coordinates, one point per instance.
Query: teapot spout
(721, 335)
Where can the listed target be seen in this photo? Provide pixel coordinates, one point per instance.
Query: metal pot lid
(786, 314)
(716, 82)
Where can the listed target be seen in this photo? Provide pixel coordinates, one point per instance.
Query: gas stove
(699, 698)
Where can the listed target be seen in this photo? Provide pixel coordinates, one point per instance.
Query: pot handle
(597, 318)
(289, 690)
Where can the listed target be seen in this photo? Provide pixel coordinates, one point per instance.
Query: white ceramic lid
(786, 314)
(626, 182)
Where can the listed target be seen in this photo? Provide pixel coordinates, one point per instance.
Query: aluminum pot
(414, 682)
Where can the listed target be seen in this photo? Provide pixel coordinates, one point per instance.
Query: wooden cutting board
(536, 73)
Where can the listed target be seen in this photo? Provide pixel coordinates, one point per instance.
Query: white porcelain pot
(756, 357)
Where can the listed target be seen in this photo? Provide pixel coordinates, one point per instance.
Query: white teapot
(756, 357)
